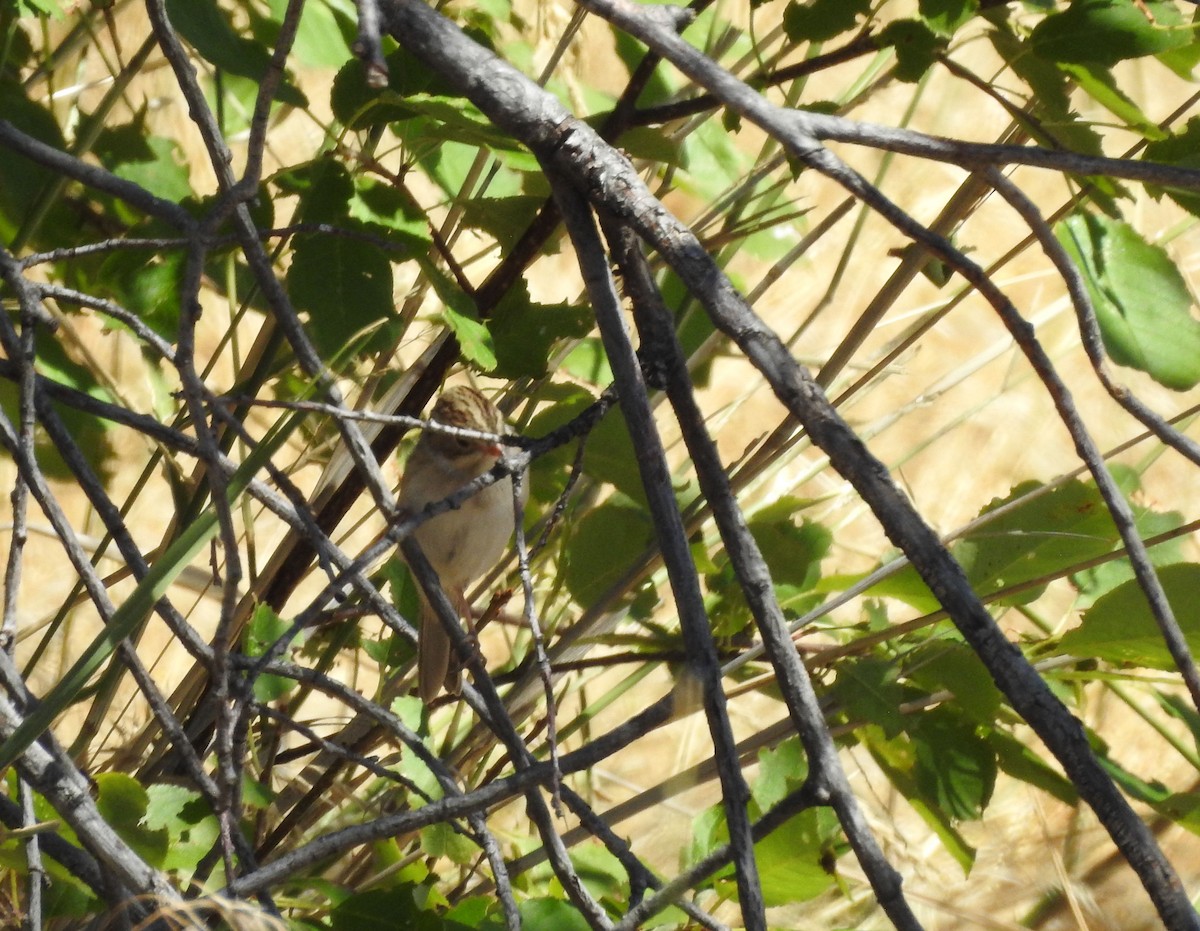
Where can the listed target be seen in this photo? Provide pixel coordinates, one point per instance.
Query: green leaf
(1042, 537)
(344, 284)
(1142, 302)
(264, 629)
(1092, 583)
(1100, 85)
(1119, 628)
(122, 802)
(149, 287)
(548, 473)
(383, 205)
(156, 163)
(587, 361)
(605, 544)
(600, 870)
(504, 219)
(359, 106)
(955, 769)
(610, 456)
(322, 37)
(945, 16)
(39, 8)
(1104, 32)
(208, 30)
(1054, 122)
(868, 689)
(1182, 150)
(324, 187)
(1017, 759)
(25, 181)
(473, 338)
(525, 333)
(660, 87)
(819, 20)
(386, 910)
(91, 433)
(897, 758)
(450, 119)
(781, 771)
(792, 553)
(916, 47)
(797, 861)
(441, 840)
(710, 162)
(187, 819)
(947, 664)
(551, 913)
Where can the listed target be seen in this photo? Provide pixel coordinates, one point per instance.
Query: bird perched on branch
(460, 544)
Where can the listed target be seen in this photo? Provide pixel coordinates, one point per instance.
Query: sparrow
(460, 544)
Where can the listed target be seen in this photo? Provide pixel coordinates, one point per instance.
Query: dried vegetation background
(956, 416)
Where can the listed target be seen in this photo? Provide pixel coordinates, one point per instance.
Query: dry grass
(958, 417)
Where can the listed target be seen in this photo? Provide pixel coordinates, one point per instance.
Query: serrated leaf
(1039, 537)
(1017, 759)
(1095, 582)
(324, 187)
(610, 456)
(710, 162)
(156, 163)
(1119, 628)
(91, 433)
(548, 473)
(781, 770)
(588, 361)
(122, 802)
(525, 333)
(1042, 537)
(473, 337)
(600, 870)
(24, 180)
(897, 759)
(189, 821)
(502, 218)
(452, 119)
(1142, 302)
(441, 840)
(1055, 123)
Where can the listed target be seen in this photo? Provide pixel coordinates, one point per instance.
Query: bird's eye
(463, 443)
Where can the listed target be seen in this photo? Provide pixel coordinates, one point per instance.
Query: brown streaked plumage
(462, 544)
